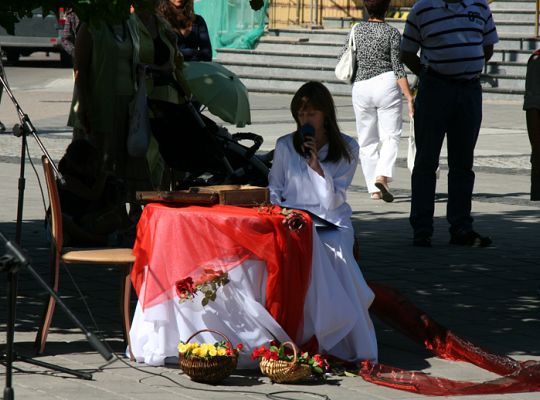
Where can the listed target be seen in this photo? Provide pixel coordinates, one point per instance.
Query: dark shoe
(422, 241)
(385, 191)
(471, 239)
(2, 127)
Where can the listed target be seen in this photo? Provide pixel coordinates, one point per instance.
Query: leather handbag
(346, 67)
(139, 132)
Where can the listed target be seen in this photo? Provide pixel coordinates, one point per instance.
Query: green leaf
(204, 301)
(350, 374)
(317, 370)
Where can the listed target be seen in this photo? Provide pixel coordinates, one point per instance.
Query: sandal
(385, 191)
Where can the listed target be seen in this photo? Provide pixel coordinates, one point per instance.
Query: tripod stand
(15, 259)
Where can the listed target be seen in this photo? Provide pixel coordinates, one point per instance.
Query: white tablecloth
(331, 315)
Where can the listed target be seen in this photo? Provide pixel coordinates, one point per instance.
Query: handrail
(536, 18)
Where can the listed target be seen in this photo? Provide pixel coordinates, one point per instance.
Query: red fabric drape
(177, 242)
(394, 309)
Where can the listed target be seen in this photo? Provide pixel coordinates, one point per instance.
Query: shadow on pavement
(488, 296)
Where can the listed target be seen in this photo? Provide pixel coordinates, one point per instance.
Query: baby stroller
(201, 152)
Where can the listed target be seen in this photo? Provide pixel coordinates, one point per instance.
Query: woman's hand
(410, 106)
(310, 149)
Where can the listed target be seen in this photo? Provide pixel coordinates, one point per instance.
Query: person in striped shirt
(455, 39)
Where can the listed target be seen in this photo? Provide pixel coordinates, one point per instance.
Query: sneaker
(422, 241)
(2, 127)
(471, 239)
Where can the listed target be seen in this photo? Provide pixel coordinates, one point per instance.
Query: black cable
(271, 395)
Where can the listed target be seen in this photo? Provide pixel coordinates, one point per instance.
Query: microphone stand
(26, 127)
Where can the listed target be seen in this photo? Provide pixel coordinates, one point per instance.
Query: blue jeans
(453, 108)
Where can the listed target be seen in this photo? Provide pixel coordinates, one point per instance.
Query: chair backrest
(54, 204)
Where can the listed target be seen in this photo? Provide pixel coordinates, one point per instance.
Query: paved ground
(489, 296)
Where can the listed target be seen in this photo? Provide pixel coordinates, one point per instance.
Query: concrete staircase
(286, 58)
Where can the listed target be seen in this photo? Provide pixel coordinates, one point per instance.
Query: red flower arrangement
(319, 365)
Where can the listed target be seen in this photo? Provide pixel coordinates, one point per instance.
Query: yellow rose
(221, 351)
(196, 352)
(182, 348)
(212, 352)
(202, 351)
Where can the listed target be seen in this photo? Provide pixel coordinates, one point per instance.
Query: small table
(278, 288)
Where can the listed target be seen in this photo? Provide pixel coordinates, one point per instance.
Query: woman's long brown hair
(315, 95)
(179, 18)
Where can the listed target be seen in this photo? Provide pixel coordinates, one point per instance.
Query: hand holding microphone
(307, 137)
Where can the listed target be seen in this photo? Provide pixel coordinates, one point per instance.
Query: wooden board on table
(237, 195)
(178, 196)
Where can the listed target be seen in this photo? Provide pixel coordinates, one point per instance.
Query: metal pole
(536, 19)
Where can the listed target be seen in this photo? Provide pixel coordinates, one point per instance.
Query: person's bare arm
(488, 52)
(83, 58)
(403, 83)
(412, 61)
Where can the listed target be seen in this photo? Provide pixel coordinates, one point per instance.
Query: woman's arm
(276, 177)
(331, 188)
(83, 59)
(204, 52)
(406, 90)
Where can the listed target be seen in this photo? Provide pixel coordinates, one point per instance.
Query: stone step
(256, 85)
(316, 60)
(506, 70)
(512, 5)
(306, 45)
(514, 39)
(284, 76)
(503, 27)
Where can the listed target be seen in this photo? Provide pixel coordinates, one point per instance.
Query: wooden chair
(94, 257)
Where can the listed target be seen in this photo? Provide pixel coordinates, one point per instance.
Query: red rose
(184, 287)
(240, 346)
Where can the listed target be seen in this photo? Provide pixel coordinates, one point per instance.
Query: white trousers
(378, 106)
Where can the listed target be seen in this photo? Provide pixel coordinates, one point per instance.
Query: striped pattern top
(451, 36)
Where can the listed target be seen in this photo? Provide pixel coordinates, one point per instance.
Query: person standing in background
(456, 39)
(106, 59)
(378, 86)
(69, 34)
(190, 28)
(531, 105)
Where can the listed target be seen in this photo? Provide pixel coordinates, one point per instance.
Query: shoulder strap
(351, 37)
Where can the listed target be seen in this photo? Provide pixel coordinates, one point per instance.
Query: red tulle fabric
(179, 242)
(395, 310)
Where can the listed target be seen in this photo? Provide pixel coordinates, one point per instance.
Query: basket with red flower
(286, 364)
(208, 363)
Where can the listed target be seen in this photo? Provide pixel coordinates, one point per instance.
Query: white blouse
(293, 184)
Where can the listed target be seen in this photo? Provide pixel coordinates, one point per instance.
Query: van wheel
(65, 59)
(12, 55)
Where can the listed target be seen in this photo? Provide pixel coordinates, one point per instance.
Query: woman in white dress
(313, 173)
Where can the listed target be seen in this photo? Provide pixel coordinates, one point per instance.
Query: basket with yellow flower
(205, 362)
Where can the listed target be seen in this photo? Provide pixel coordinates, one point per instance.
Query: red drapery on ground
(177, 242)
(394, 309)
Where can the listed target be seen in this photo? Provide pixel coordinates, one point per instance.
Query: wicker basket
(212, 370)
(281, 371)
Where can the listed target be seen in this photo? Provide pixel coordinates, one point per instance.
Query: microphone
(306, 130)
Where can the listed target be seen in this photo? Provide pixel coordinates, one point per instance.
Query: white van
(36, 33)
